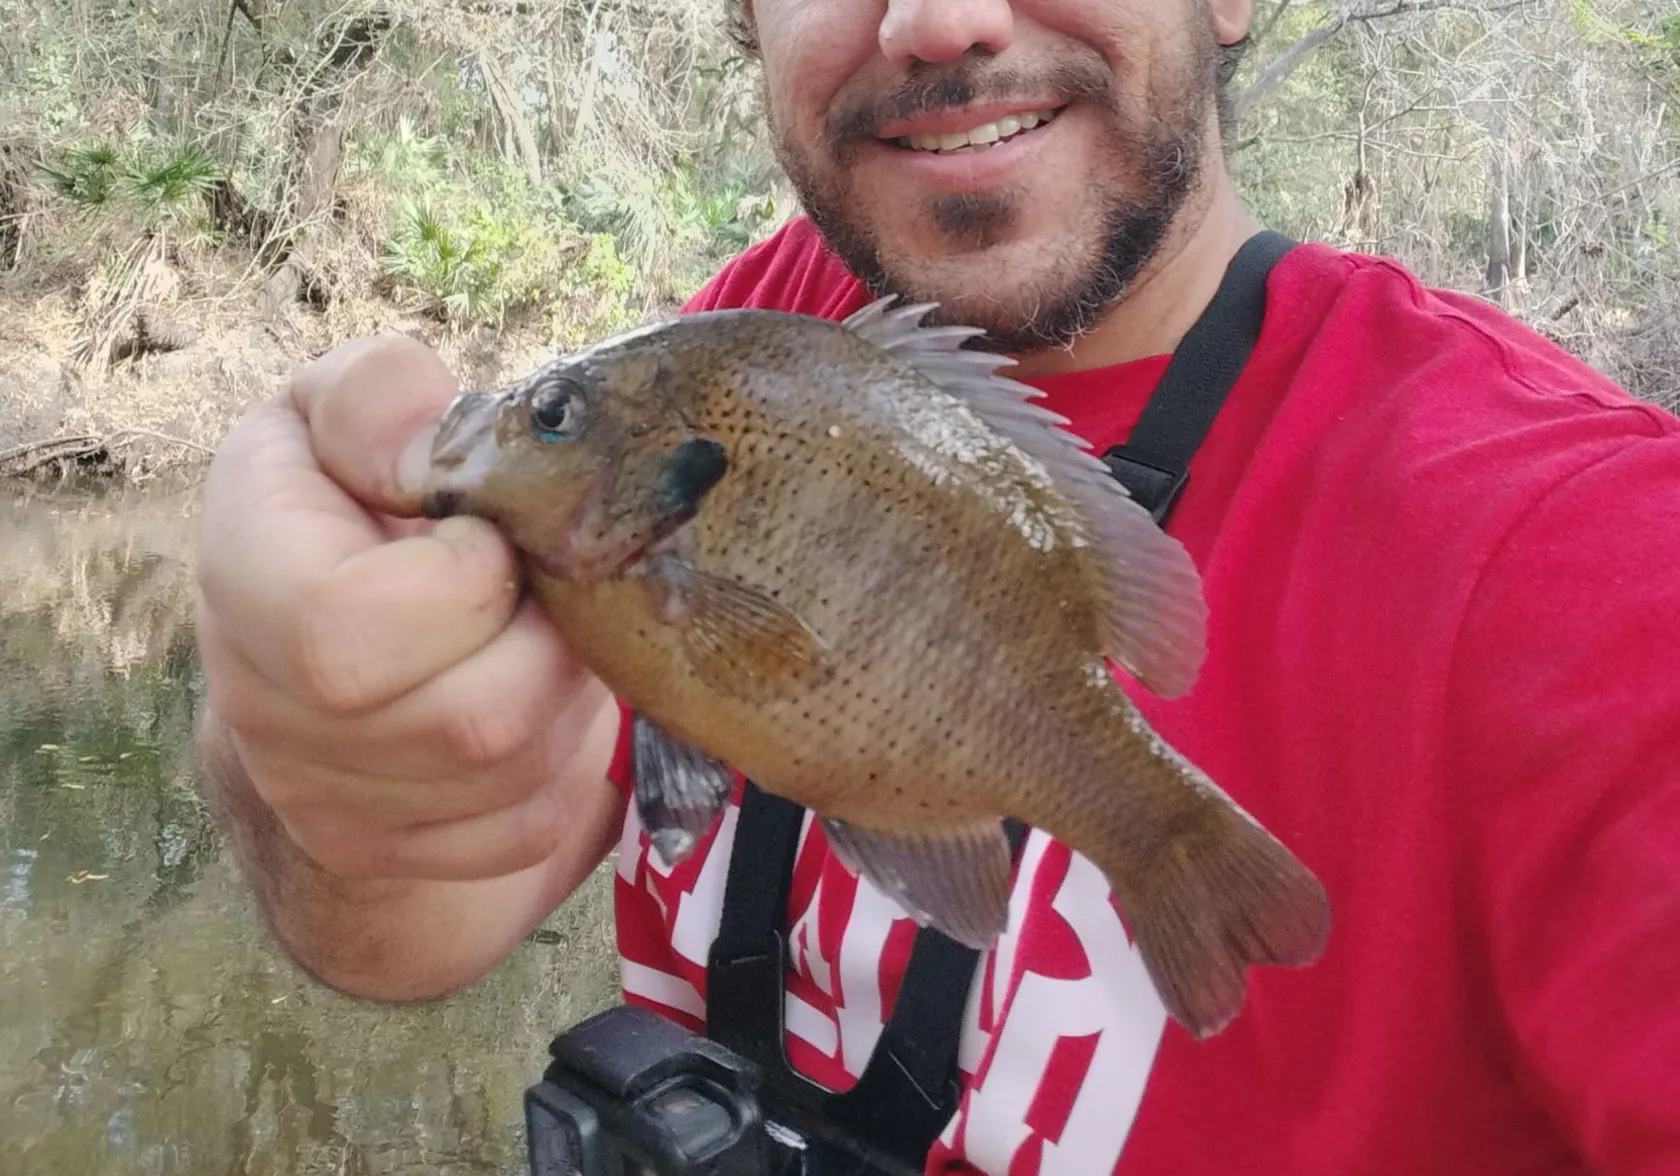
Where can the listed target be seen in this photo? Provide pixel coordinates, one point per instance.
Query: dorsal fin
(1155, 618)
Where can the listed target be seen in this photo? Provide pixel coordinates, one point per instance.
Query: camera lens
(702, 1124)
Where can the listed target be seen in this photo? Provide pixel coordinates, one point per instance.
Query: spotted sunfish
(856, 563)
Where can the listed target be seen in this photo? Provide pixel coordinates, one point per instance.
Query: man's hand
(411, 764)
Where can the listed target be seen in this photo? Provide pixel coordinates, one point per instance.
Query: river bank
(163, 406)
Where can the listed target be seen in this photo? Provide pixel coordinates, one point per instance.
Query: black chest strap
(908, 1089)
(1154, 461)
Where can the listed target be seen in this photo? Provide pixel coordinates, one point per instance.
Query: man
(1438, 557)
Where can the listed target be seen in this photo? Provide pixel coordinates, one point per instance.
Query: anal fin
(956, 882)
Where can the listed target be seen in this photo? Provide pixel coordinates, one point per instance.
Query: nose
(942, 30)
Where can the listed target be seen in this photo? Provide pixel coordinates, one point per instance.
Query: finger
(484, 845)
(270, 519)
(394, 616)
(480, 713)
(371, 405)
(305, 586)
(266, 472)
(342, 812)
(447, 751)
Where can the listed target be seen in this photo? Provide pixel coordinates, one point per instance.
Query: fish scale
(855, 563)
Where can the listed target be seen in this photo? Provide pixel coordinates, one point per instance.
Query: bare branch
(1265, 32)
(1290, 59)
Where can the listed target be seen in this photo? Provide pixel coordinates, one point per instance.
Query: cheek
(811, 49)
(1129, 36)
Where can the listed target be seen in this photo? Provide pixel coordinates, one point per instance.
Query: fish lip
(440, 503)
(461, 426)
(462, 453)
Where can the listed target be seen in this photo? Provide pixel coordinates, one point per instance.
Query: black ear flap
(693, 468)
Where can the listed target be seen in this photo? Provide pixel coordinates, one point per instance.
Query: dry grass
(165, 411)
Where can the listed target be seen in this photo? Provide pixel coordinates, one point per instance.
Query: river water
(147, 1023)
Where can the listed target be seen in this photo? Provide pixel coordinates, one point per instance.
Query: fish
(853, 561)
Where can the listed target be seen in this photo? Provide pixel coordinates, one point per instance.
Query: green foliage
(403, 154)
(1660, 44)
(155, 181)
(677, 213)
(725, 217)
(594, 297)
(492, 248)
(86, 175)
(472, 264)
(173, 180)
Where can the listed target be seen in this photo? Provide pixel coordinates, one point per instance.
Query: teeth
(983, 135)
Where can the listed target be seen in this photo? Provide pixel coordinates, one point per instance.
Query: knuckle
(535, 835)
(484, 734)
(340, 849)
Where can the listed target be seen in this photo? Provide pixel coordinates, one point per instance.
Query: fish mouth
(440, 504)
(462, 453)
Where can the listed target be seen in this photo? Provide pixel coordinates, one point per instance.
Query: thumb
(372, 407)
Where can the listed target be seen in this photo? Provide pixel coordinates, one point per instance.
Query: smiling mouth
(980, 138)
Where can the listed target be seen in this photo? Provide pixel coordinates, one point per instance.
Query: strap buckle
(1155, 487)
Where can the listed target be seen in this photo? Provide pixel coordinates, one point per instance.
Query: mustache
(932, 87)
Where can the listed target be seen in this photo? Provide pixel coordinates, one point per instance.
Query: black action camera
(630, 1093)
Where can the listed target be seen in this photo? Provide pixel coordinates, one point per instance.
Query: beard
(1153, 159)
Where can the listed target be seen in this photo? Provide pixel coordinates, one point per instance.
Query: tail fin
(1212, 905)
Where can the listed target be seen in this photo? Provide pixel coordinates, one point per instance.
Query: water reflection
(147, 1024)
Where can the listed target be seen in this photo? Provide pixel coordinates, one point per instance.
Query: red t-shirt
(1440, 560)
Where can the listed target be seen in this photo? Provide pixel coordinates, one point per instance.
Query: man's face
(1087, 124)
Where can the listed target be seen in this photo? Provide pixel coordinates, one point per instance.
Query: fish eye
(556, 406)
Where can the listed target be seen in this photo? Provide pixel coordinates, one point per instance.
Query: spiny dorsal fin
(1155, 619)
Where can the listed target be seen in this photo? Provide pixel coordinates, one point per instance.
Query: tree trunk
(506, 101)
(1498, 277)
(317, 151)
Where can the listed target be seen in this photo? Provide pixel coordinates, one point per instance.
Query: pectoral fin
(740, 640)
(956, 882)
(679, 789)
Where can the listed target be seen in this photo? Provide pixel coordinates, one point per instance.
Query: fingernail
(414, 461)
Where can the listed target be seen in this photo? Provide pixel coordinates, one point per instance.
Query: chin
(1037, 286)
(999, 287)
